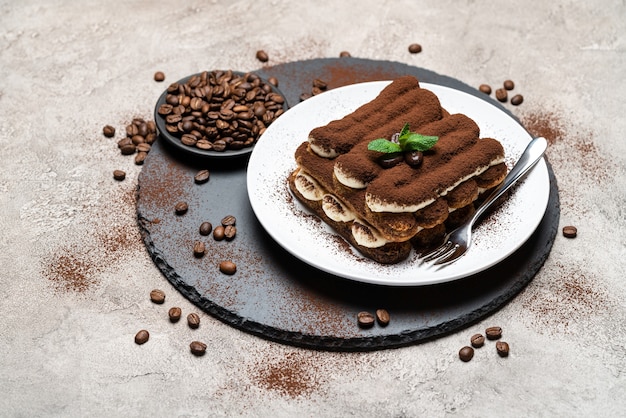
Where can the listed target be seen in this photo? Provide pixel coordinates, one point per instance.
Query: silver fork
(457, 242)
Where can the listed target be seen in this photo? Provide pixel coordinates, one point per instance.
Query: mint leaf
(417, 142)
(383, 145)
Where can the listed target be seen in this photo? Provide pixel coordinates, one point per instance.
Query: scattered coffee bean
(262, 56)
(415, 48)
(199, 249)
(365, 319)
(502, 348)
(174, 313)
(142, 337)
(159, 76)
(228, 267)
(205, 228)
(229, 232)
(181, 208)
(108, 131)
(485, 88)
(197, 348)
(382, 317)
(229, 220)
(193, 320)
(320, 84)
(344, 54)
(128, 149)
(219, 233)
(570, 231)
(157, 296)
(501, 95)
(509, 85)
(305, 96)
(477, 340)
(466, 353)
(119, 175)
(493, 333)
(273, 81)
(202, 176)
(517, 100)
(140, 157)
(144, 147)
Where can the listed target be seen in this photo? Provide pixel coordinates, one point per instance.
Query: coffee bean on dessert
(501, 95)
(229, 232)
(229, 220)
(390, 160)
(228, 267)
(382, 317)
(119, 175)
(414, 158)
(219, 233)
(193, 320)
(206, 228)
(273, 81)
(485, 88)
(466, 353)
(508, 85)
(344, 54)
(159, 76)
(174, 314)
(477, 340)
(181, 208)
(517, 100)
(502, 348)
(142, 337)
(197, 348)
(199, 249)
(202, 176)
(493, 333)
(570, 231)
(365, 319)
(108, 131)
(415, 48)
(157, 296)
(262, 56)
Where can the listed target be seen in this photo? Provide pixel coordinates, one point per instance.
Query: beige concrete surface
(75, 275)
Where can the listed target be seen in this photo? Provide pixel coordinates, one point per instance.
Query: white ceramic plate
(312, 241)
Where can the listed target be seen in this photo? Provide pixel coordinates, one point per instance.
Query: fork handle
(529, 158)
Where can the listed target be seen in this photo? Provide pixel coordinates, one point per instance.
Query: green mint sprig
(407, 141)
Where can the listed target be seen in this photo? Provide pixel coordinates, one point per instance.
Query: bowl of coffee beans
(219, 113)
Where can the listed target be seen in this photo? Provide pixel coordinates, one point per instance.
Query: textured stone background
(75, 275)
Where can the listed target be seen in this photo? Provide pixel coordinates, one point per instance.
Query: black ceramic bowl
(174, 139)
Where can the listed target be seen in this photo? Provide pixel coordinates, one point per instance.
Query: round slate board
(278, 297)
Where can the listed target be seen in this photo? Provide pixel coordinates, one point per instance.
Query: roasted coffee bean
(197, 348)
(142, 337)
(493, 333)
(202, 176)
(140, 157)
(502, 348)
(157, 296)
(390, 160)
(414, 158)
(485, 88)
(219, 233)
(344, 54)
(517, 100)
(320, 84)
(108, 131)
(205, 228)
(159, 76)
(501, 95)
(181, 208)
(415, 48)
(228, 267)
(174, 314)
(273, 81)
(508, 85)
(466, 353)
(262, 56)
(199, 249)
(128, 149)
(229, 220)
(229, 232)
(382, 317)
(570, 231)
(123, 142)
(305, 96)
(365, 319)
(119, 175)
(477, 340)
(193, 320)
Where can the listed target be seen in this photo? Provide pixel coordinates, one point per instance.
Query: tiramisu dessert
(397, 172)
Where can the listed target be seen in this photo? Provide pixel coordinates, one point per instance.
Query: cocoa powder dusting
(294, 374)
(70, 272)
(544, 123)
